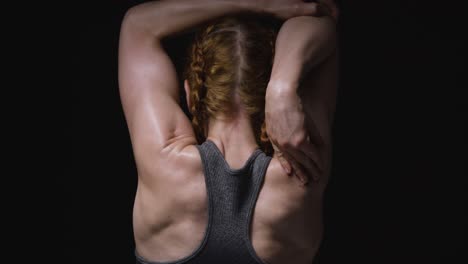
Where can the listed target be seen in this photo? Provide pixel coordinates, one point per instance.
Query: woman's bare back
(170, 216)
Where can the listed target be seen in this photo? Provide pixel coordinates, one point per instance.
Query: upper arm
(306, 57)
(319, 80)
(149, 92)
(318, 92)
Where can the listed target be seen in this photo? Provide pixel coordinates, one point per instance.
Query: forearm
(165, 18)
(302, 43)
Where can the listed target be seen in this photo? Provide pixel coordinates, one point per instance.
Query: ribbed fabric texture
(232, 195)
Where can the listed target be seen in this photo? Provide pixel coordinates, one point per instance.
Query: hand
(331, 8)
(286, 9)
(287, 129)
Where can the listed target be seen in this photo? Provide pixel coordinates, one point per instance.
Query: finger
(279, 154)
(332, 8)
(314, 143)
(286, 165)
(306, 163)
(307, 9)
(314, 9)
(311, 153)
(323, 10)
(297, 169)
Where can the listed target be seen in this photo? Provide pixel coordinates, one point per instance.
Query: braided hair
(228, 70)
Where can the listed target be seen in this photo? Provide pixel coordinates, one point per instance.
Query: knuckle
(296, 8)
(299, 139)
(297, 142)
(283, 143)
(296, 166)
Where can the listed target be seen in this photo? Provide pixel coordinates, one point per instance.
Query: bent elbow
(137, 21)
(325, 36)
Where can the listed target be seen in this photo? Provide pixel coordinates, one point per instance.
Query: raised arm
(149, 88)
(147, 78)
(301, 95)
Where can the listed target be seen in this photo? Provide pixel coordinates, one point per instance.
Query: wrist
(245, 5)
(281, 89)
(236, 6)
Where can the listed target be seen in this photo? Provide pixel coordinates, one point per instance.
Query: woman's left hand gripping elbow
(287, 130)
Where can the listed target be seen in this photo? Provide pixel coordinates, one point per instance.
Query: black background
(396, 193)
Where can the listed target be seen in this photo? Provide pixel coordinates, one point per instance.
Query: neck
(235, 138)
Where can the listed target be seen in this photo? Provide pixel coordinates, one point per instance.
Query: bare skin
(170, 211)
(300, 99)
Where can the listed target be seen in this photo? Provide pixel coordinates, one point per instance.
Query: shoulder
(293, 203)
(277, 179)
(177, 162)
(174, 180)
(276, 175)
(287, 192)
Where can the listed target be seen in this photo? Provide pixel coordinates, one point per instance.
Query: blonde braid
(228, 61)
(196, 75)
